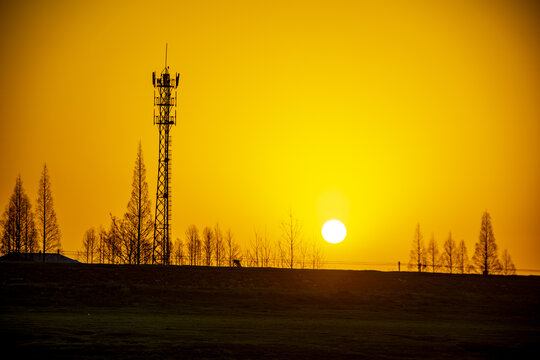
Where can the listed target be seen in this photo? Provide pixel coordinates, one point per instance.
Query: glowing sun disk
(334, 231)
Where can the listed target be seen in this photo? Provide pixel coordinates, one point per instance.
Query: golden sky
(379, 113)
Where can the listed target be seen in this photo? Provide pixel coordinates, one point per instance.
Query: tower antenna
(164, 102)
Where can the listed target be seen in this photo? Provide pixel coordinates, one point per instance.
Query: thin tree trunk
(44, 220)
(139, 216)
(486, 272)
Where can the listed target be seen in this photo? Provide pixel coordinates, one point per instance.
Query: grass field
(154, 312)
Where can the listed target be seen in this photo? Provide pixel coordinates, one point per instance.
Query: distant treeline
(25, 230)
(129, 239)
(453, 257)
(211, 247)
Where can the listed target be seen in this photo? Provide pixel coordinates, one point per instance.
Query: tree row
(453, 257)
(129, 239)
(25, 230)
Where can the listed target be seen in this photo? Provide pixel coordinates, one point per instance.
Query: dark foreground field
(154, 312)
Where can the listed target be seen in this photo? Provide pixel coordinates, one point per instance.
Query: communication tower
(164, 102)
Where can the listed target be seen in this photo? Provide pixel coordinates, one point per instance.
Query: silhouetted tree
(508, 267)
(432, 255)
(128, 245)
(462, 259)
(248, 259)
(10, 231)
(16, 208)
(418, 252)
(253, 253)
(219, 245)
(113, 243)
(281, 258)
(303, 253)
(30, 235)
(101, 236)
(125, 239)
(290, 230)
(485, 255)
(208, 245)
(178, 253)
(90, 245)
(265, 250)
(449, 254)
(47, 224)
(18, 226)
(233, 250)
(193, 245)
(260, 251)
(317, 258)
(139, 224)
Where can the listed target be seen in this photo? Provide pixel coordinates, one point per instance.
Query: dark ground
(76, 311)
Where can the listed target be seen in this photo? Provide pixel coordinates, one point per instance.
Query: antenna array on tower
(164, 102)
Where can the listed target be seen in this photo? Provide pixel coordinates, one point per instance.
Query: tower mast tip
(166, 55)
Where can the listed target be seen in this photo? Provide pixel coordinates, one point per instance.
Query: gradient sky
(379, 113)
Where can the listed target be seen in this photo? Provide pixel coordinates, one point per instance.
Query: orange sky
(379, 113)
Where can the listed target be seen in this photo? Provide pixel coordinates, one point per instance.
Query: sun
(334, 231)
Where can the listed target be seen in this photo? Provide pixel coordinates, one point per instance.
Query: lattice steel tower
(164, 102)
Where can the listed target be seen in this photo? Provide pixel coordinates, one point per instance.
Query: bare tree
(112, 243)
(90, 245)
(126, 240)
(418, 252)
(260, 251)
(193, 245)
(248, 259)
(139, 224)
(46, 216)
(179, 256)
(125, 243)
(253, 253)
(219, 245)
(233, 250)
(290, 230)
(303, 253)
(18, 226)
(281, 257)
(17, 206)
(485, 255)
(508, 267)
(29, 230)
(101, 236)
(10, 230)
(208, 245)
(317, 258)
(462, 259)
(266, 250)
(432, 255)
(449, 254)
